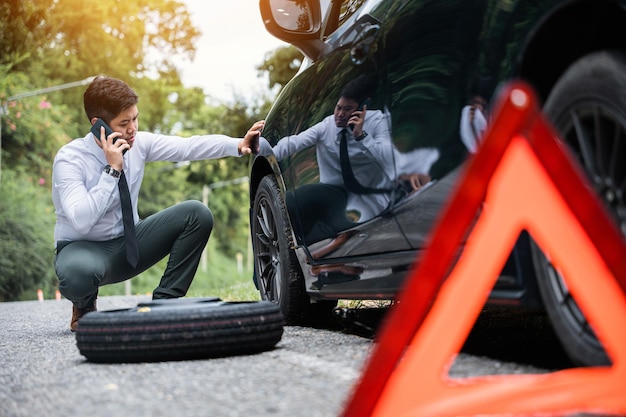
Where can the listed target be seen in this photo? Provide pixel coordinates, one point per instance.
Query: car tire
(278, 273)
(179, 329)
(588, 109)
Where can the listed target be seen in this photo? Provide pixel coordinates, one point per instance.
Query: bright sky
(233, 43)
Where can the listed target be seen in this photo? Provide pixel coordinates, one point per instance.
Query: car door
(420, 53)
(309, 100)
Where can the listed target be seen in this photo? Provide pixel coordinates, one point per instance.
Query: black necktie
(349, 180)
(132, 249)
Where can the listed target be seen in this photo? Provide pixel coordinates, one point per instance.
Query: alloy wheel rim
(267, 255)
(596, 132)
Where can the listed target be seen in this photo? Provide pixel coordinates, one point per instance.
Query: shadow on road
(510, 334)
(517, 335)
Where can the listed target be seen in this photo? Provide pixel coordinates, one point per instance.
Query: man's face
(343, 111)
(127, 123)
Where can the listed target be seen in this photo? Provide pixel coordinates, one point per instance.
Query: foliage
(27, 253)
(223, 277)
(32, 128)
(227, 200)
(163, 185)
(20, 29)
(281, 64)
(56, 42)
(156, 105)
(79, 29)
(210, 181)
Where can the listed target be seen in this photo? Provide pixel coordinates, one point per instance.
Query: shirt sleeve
(294, 143)
(83, 206)
(194, 148)
(377, 144)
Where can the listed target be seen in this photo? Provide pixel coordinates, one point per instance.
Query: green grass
(223, 278)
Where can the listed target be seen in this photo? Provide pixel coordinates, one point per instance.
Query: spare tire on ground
(179, 329)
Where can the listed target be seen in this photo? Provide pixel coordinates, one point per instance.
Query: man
(94, 245)
(368, 153)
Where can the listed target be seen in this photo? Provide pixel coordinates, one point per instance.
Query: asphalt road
(310, 372)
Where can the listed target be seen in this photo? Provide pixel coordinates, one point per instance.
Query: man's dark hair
(361, 88)
(107, 97)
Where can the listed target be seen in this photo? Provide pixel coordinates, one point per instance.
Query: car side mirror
(297, 22)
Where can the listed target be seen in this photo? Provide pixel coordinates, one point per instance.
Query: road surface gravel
(310, 373)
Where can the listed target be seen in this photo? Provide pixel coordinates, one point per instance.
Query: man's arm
(294, 143)
(82, 198)
(377, 142)
(158, 147)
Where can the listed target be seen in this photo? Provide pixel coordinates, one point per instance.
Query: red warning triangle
(521, 179)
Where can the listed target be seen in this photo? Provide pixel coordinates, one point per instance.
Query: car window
(336, 16)
(348, 8)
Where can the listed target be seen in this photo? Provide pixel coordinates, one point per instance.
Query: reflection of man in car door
(357, 164)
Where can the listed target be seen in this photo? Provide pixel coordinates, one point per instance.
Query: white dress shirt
(86, 200)
(472, 130)
(372, 158)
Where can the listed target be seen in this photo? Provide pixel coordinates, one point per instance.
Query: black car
(363, 146)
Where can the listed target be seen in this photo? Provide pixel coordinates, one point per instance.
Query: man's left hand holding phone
(107, 141)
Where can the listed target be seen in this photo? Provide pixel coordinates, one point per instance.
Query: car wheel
(278, 273)
(588, 109)
(178, 329)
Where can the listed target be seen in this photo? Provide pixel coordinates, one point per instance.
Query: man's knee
(199, 213)
(79, 274)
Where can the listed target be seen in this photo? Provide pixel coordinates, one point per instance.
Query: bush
(26, 238)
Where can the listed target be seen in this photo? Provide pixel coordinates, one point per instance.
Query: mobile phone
(95, 129)
(365, 102)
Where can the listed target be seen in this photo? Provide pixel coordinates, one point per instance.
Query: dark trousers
(320, 210)
(181, 231)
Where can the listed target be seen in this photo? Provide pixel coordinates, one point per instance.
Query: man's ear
(93, 120)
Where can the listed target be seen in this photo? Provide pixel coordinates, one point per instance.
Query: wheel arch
(571, 31)
(261, 167)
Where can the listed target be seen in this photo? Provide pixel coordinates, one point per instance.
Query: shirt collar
(341, 129)
(92, 146)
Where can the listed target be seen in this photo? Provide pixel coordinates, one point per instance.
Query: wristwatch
(112, 171)
(362, 136)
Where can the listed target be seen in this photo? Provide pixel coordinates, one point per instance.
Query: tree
(21, 24)
(32, 128)
(51, 42)
(26, 224)
(281, 64)
(54, 42)
(116, 37)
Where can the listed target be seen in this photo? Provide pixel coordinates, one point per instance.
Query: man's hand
(250, 142)
(113, 152)
(356, 121)
(415, 181)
